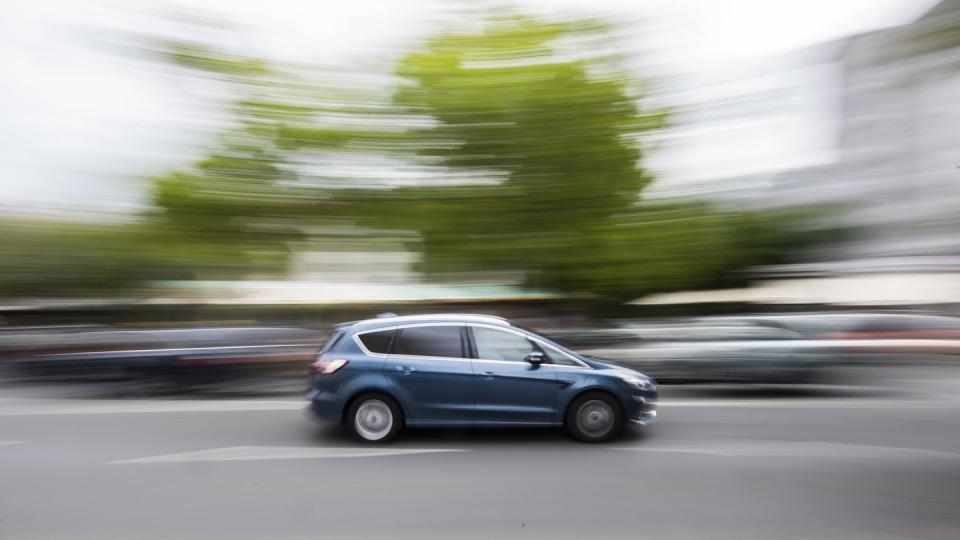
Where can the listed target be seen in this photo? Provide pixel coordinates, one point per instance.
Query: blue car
(379, 375)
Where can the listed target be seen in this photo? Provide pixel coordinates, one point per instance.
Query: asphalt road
(716, 466)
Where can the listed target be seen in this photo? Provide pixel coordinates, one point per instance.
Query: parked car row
(758, 349)
(184, 356)
(765, 349)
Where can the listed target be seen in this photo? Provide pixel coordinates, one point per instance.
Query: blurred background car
(695, 352)
(183, 359)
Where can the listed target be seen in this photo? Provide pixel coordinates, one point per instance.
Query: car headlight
(639, 383)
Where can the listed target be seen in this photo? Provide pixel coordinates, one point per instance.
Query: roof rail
(438, 316)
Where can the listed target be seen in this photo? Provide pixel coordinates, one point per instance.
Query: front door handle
(406, 370)
(488, 374)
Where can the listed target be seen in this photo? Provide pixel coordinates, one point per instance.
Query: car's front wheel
(375, 418)
(594, 417)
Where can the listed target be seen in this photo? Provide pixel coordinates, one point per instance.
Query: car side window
(443, 341)
(557, 357)
(377, 342)
(499, 345)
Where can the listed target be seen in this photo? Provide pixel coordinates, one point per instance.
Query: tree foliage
(50, 258)
(236, 210)
(561, 130)
(555, 129)
(538, 132)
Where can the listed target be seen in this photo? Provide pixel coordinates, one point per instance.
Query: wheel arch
(371, 390)
(593, 390)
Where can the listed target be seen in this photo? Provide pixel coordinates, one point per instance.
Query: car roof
(392, 320)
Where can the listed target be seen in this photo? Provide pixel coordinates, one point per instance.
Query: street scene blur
(757, 204)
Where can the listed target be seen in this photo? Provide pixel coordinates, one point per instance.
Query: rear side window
(430, 341)
(377, 342)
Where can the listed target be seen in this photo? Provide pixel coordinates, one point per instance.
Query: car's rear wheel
(594, 417)
(375, 418)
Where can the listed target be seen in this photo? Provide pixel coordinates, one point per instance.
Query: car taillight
(326, 366)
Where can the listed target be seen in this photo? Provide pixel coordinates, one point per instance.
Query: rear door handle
(488, 374)
(406, 370)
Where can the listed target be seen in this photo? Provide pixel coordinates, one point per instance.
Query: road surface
(742, 467)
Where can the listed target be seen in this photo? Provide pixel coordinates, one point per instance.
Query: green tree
(60, 259)
(537, 132)
(556, 130)
(238, 209)
(539, 127)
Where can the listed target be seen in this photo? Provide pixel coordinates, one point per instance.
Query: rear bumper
(325, 405)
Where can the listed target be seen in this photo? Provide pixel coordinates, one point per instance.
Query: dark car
(731, 353)
(186, 357)
(377, 376)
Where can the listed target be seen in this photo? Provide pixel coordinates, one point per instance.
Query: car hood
(612, 367)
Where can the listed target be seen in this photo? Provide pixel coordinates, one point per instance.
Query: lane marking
(256, 453)
(11, 443)
(33, 407)
(28, 407)
(815, 403)
(798, 449)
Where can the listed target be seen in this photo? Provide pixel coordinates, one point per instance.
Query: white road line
(815, 403)
(10, 443)
(798, 449)
(254, 453)
(31, 407)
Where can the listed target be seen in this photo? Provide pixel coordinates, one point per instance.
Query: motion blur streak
(755, 203)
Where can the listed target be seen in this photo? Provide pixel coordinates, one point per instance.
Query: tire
(374, 418)
(594, 417)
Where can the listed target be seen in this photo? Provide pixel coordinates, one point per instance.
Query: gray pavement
(736, 466)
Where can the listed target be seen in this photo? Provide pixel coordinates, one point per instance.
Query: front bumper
(644, 411)
(644, 419)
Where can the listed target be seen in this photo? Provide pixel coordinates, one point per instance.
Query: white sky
(82, 125)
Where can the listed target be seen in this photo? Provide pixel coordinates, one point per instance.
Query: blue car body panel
(515, 393)
(464, 392)
(435, 392)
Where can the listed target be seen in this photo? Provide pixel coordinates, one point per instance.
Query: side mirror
(535, 358)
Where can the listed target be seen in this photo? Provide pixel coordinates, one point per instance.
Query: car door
(509, 389)
(433, 376)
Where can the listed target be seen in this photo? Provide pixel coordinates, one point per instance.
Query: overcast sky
(82, 125)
